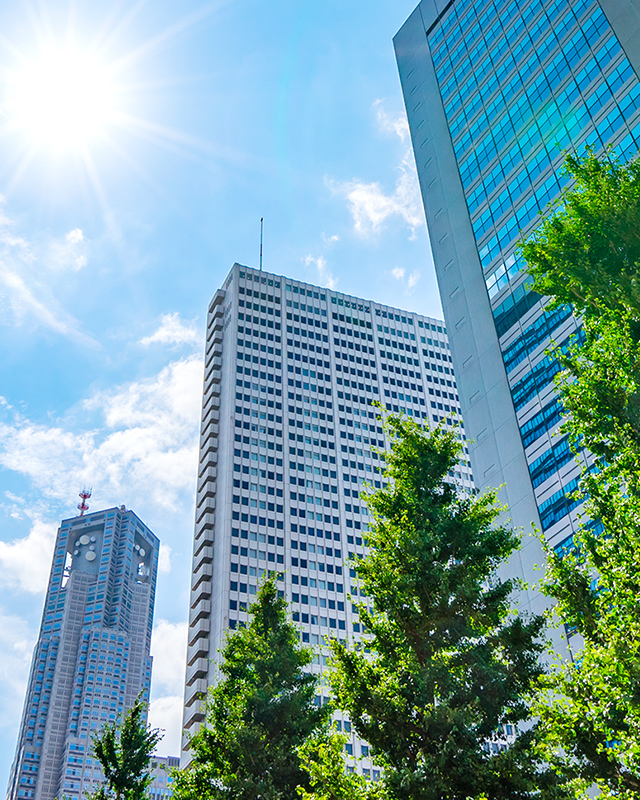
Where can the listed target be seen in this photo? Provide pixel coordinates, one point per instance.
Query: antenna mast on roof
(261, 229)
(84, 495)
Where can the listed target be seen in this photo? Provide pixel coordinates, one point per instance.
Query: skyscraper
(289, 435)
(496, 91)
(91, 660)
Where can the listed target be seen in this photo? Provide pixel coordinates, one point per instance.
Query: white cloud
(398, 124)
(145, 442)
(26, 562)
(169, 650)
(369, 204)
(164, 558)
(330, 239)
(166, 713)
(400, 274)
(24, 276)
(69, 252)
(172, 331)
(34, 303)
(325, 278)
(16, 645)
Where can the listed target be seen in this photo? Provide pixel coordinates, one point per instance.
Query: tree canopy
(439, 683)
(124, 751)
(588, 253)
(258, 714)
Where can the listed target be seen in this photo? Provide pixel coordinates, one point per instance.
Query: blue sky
(113, 240)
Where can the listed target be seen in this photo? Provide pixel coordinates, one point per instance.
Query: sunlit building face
(496, 93)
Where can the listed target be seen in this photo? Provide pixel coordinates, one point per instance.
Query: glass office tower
(91, 660)
(289, 437)
(496, 92)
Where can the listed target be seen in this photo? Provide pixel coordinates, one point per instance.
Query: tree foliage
(446, 666)
(124, 750)
(323, 758)
(258, 714)
(588, 253)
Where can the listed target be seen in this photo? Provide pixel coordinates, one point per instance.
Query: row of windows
(308, 412)
(309, 309)
(351, 384)
(349, 423)
(398, 317)
(321, 566)
(310, 360)
(438, 356)
(259, 457)
(304, 530)
(514, 307)
(269, 298)
(533, 336)
(354, 304)
(299, 544)
(254, 487)
(402, 359)
(301, 453)
(404, 397)
(560, 504)
(368, 376)
(259, 278)
(311, 400)
(354, 346)
(393, 332)
(305, 321)
(257, 307)
(308, 292)
(310, 347)
(543, 373)
(405, 384)
(333, 605)
(307, 386)
(397, 345)
(543, 421)
(550, 462)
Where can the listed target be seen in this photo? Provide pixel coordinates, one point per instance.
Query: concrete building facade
(496, 91)
(161, 786)
(289, 436)
(91, 660)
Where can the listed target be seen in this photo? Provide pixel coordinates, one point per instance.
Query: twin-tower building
(91, 660)
(496, 93)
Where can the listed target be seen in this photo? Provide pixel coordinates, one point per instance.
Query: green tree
(124, 750)
(588, 254)
(446, 665)
(323, 758)
(258, 715)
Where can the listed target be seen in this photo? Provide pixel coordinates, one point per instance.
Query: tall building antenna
(85, 494)
(261, 229)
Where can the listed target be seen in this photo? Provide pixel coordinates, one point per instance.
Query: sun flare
(62, 98)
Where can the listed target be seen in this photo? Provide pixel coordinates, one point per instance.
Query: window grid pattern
(520, 84)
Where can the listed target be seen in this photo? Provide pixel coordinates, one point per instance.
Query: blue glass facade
(497, 93)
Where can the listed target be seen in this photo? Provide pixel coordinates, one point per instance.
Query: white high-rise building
(290, 434)
(91, 660)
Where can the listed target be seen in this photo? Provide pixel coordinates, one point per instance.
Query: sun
(63, 98)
